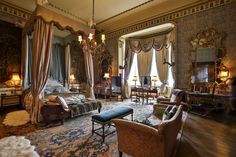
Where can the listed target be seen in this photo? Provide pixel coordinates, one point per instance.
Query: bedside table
(9, 100)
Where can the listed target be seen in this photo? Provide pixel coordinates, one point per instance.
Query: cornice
(169, 17)
(13, 10)
(128, 10)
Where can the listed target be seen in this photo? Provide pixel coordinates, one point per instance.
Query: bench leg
(103, 133)
(132, 117)
(92, 127)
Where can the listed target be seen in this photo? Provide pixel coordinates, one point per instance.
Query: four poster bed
(35, 99)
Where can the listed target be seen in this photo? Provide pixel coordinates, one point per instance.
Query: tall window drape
(144, 63)
(41, 55)
(57, 65)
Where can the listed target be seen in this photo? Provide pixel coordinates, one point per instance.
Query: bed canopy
(41, 24)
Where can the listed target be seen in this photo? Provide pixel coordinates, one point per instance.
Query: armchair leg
(120, 154)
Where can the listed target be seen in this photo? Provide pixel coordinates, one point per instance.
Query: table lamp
(135, 79)
(154, 79)
(16, 80)
(72, 79)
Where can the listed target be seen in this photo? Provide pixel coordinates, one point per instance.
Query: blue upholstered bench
(105, 117)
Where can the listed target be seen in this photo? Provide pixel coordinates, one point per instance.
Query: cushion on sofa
(166, 114)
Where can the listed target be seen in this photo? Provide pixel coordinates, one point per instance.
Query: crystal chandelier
(88, 42)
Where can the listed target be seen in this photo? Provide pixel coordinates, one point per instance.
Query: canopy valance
(58, 20)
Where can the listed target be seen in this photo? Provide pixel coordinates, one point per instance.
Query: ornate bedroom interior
(118, 78)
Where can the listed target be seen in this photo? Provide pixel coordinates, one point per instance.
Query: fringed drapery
(41, 55)
(145, 45)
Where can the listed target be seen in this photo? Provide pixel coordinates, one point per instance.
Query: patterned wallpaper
(10, 50)
(223, 19)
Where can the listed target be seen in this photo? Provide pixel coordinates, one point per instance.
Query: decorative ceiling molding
(14, 10)
(169, 17)
(138, 6)
(66, 12)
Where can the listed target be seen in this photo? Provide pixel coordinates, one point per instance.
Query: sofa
(160, 140)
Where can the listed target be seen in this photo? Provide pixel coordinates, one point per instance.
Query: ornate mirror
(207, 53)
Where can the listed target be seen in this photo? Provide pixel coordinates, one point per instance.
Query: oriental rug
(74, 138)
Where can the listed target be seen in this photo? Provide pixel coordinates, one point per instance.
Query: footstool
(105, 117)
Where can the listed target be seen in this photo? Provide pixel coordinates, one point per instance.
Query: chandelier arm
(93, 14)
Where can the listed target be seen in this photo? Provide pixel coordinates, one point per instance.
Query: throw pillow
(173, 98)
(173, 111)
(61, 101)
(166, 114)
(52, 98)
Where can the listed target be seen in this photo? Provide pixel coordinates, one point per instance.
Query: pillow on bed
(52, 103)
(52, 98)
(62, 101)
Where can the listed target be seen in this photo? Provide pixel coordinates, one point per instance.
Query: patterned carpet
(74, 138)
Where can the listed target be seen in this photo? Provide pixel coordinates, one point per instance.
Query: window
(134, 71)
(153, 71)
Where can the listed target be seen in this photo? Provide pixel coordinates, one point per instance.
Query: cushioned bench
(105, 117)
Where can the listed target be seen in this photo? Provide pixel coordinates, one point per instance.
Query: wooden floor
(202, 137)
(209, 137)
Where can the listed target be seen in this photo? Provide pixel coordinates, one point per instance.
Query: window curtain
(57, 65)
(144, 59)
(41, 55)
(67, 66)
(162, 69)
(128, 63)
(89, 73)
(26, 60)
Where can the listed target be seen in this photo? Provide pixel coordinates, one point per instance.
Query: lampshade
(154, 78)
(106, 75)
(135, 78)
(72, 77)
(15, 77)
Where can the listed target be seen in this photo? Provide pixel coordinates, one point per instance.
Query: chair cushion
(113, 113)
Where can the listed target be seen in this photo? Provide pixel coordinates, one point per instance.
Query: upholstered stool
(105, 117)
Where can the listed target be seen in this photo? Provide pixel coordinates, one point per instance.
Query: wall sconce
(154, 79)
(135, 79)
(106, 76)
(223, 74)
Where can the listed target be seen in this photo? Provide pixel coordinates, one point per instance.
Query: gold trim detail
(4, 8)
(168, 17)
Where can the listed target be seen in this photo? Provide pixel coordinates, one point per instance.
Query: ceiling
(108, 13)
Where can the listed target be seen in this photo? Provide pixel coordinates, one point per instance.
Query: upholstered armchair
(160, 140)
(138, 140)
